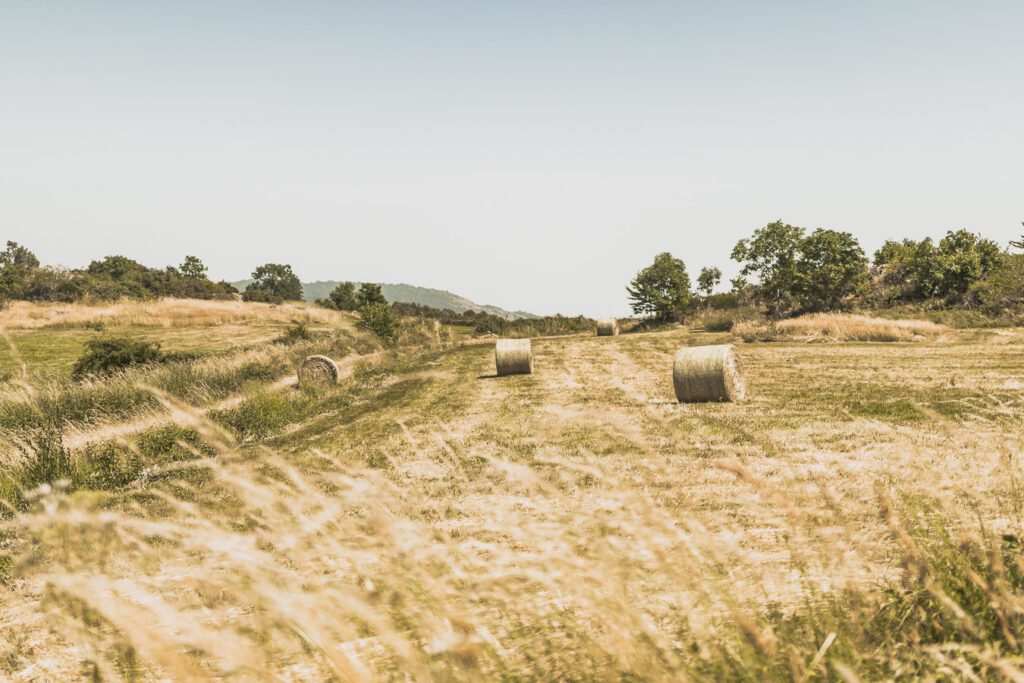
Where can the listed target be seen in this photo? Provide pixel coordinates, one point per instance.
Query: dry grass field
(49, 337)
(856, 518)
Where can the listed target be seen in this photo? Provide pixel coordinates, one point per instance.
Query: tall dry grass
(163, 313)
(458, 557)
(838, 327)
(264, 567)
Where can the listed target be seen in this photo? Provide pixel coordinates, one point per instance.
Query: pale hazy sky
(528, 154)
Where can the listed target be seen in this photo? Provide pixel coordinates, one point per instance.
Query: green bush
(296, 332)
(378, 318)
(108, 355)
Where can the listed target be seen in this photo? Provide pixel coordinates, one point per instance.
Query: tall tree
(343, 297)
(662, 289)
(17, 267)
(369, 293)
(963, 259)
(771, 254)
(193, 268)
(832, 268)
(708, 279)
(274, 283)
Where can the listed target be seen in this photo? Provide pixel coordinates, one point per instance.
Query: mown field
(856, 518)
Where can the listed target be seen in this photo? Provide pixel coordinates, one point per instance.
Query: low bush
(296, 332)
(109, 355)
(378, 318)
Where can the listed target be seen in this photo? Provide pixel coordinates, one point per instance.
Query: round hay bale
(318, 371)
(708, 373)
(608, 327)
(513, 357)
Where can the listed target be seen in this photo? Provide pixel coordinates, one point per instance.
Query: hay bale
(513, 357)
(318, 371)
(608, 327)
(708, 373)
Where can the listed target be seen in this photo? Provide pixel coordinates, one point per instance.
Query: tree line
(788, 270)
(22, 277)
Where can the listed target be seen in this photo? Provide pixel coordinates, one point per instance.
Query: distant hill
(410, 294)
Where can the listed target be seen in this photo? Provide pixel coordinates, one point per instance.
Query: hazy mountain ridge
(426, 296)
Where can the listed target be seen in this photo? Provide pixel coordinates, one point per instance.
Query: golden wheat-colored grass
(21, 315)
(578, 526)
(839, 327)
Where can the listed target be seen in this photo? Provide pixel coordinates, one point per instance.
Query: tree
(115, 277)
(831, 267)
(343, 297)
(919, 271)
(273, 283)
(17, 266)
(17, 256)
(369, 293)
(771, 254)
(193, 268)
(1002, 291)
(662, 289)
(708, 279)
(965, 258)
(378, 318)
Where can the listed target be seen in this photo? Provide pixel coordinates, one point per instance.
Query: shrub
(109, 355)
(377, 318)
(296, 332)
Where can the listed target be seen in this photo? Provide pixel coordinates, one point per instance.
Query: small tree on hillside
(708, 279)
(274, 283)
(193, 268)
(832, 268)
(343, 297)
(17, 267)
(662, 289)
(369, 293)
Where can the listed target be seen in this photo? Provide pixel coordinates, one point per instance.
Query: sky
(532, 155)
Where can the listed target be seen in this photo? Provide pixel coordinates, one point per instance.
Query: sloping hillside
(410, 294)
